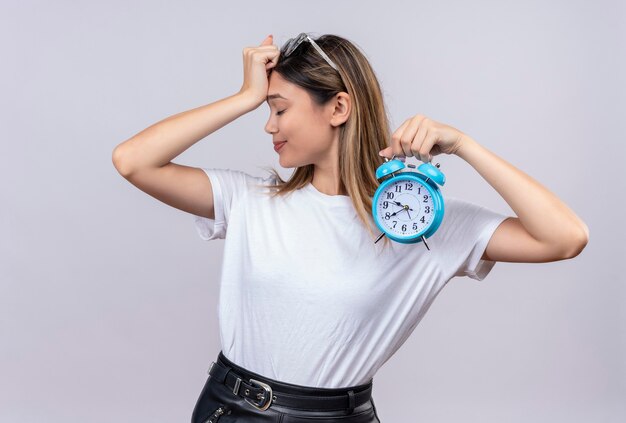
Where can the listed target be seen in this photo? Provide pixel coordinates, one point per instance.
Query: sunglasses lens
(293, 43)
(289, 46)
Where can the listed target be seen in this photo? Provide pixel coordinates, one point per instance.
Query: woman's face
(296, 119)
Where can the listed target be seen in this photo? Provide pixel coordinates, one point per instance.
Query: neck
(328, 182)
(326, 176)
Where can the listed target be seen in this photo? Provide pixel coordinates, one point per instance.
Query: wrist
(249, 101)
(466, 144)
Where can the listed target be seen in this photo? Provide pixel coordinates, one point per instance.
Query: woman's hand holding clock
(423, 138)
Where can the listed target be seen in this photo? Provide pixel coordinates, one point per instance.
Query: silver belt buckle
(268, 395)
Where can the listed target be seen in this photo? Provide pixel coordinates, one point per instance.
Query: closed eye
(280, 112)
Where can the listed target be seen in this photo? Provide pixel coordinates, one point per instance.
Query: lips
(278, 145)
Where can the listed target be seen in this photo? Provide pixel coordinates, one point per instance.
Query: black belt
(261, 392)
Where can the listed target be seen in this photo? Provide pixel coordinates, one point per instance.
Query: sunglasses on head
(292, 44)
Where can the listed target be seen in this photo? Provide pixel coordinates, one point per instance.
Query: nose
(270, 126)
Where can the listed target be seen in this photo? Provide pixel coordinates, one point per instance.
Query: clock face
(405, 207)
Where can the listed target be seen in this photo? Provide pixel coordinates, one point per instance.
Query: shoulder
(467, 219)
(239, 178)
(457, 209)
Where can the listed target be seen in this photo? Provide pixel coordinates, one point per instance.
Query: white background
(108, 297)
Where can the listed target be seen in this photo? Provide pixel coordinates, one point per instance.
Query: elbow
(577, 244)
(118, 161)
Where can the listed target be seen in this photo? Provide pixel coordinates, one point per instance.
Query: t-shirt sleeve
(463, 237)
(229, 187)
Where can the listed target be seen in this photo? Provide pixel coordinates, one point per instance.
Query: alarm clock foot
(379, 237)
(424, 241)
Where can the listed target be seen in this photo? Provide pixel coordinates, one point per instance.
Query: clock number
(427, 209)
(422, 219)
(385, 204)
(414, 226)
(398, 188)
(389, 195)
(394, 223)
(409, 186)
(404, 228)
(426, 199)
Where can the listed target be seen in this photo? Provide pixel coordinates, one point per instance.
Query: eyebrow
(273, 96)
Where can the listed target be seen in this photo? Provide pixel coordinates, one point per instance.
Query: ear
(341, 109)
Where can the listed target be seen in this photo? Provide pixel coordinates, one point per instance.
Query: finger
(271, 47)
(409, 136)
(388, 152)
(268, 40)
(421, 135)
(274, 59)
(266, 52)
(395, 147)
(425, 150)
(271, 63)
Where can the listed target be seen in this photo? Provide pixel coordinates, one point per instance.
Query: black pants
(219, 403)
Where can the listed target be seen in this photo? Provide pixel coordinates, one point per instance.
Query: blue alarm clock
(408, 206)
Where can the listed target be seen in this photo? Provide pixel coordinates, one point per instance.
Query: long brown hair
(362, 136)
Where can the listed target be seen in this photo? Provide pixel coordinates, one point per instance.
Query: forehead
(280, 89)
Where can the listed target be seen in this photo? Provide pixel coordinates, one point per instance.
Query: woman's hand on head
(423, 138)
(257, 62)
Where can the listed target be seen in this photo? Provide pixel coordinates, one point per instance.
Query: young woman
(310, 307)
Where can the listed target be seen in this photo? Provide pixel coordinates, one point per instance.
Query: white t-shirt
(306, 297)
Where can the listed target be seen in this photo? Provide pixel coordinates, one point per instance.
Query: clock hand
(404, 207)
(398, 204)
(401, 205)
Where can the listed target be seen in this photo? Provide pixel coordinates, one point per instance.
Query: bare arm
(161, 142)
(546, 229)
(145, 160)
